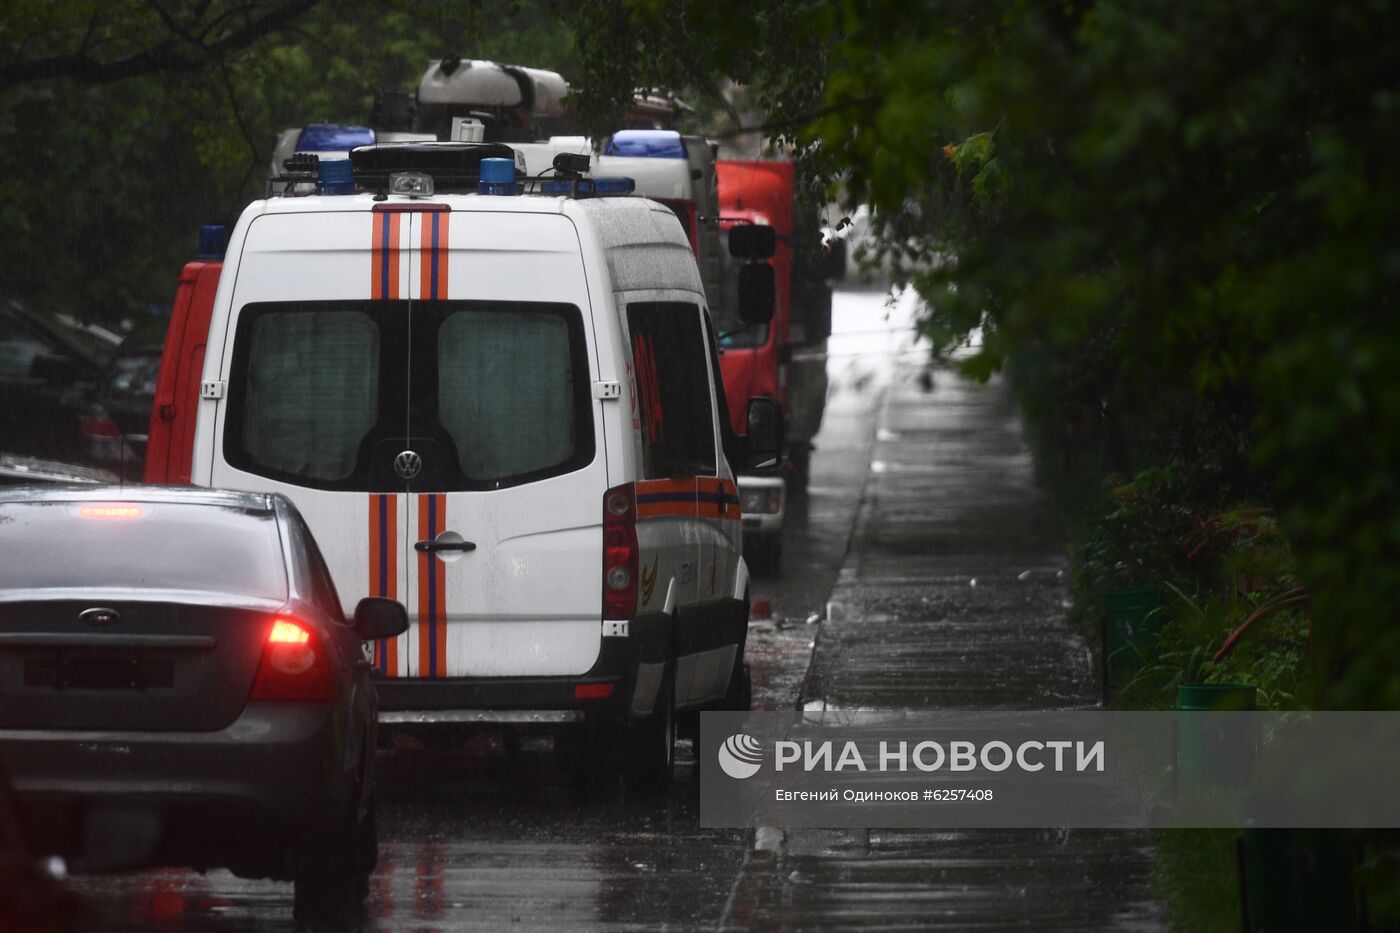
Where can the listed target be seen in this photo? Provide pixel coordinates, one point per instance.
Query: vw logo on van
(100, 616)
(408, 464)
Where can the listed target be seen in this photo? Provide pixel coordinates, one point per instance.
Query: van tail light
(592, 691)
(620, 552)
(293, 665)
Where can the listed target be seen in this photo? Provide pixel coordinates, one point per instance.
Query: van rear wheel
(649, 745)
(739, 697)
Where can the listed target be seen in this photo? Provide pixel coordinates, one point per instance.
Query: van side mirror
(752, 241)
(756, 293)
(763, 443)
(377, 617)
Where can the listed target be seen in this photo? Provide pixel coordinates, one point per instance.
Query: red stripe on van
(395, 225)
(432, 256)
(440, 573)
(432, 590)
(666, 497)
(385, 256)
(384, 569)
(378, 274)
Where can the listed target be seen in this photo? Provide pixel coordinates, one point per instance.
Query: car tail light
(110, 511)
(619, 552)
(293, 665)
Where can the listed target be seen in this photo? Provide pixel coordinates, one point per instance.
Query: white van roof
(644, 245)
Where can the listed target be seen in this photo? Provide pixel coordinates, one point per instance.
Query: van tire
(648, 753)
(764, 554)
(799, 472)
(739, 698)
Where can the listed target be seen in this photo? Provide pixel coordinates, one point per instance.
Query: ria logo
(740, 756)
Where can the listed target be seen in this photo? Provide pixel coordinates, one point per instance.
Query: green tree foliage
(126, 125)
(1175, 221)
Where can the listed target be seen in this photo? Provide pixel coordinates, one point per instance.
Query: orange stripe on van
(432, 256)
(378, 277)
(718, 498)
(384, 570)
(440, 572)
(395, 228)
(385, 255)
(657, 498)
(432, 590)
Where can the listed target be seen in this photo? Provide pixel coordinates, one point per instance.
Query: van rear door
(505, 575)
(427, 402)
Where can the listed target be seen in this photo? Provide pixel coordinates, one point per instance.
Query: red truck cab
(753, 192)
(785, 359)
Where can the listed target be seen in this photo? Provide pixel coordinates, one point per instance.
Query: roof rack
(449, 167)
(453, 166)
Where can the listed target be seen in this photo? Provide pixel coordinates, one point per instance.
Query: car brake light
(293, 666)
(109, 511)
(287, 633)
(619, 552)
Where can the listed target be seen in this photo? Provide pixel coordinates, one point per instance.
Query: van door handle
(430, 547)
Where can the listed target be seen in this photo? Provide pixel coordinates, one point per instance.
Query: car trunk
(172, 663)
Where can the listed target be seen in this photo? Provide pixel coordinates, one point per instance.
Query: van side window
(675, 404)
(311, 391)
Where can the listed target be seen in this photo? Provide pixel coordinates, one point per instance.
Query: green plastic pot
(1216, 697)
(1215, 751)
(1132, 630)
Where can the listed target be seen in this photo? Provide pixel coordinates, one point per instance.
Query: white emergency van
(506, 412)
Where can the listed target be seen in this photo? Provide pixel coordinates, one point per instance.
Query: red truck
(170, 445)
(785, 359)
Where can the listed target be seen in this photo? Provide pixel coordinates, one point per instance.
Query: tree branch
(803, 119)
(164, 55)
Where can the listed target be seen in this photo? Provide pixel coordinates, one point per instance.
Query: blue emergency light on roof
(647, 144)
(333, 137)
(587, 187)
(213, 241)
(497, 176)
(335, 176)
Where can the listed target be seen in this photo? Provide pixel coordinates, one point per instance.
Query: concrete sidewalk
(952, 596)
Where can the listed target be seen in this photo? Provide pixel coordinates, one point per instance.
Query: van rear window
(488, 394)
(506, 391)
(312, 391)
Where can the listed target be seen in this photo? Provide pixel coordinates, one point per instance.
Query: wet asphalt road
(478, 838)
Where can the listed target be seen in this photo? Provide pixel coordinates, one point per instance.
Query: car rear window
(166, 546)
